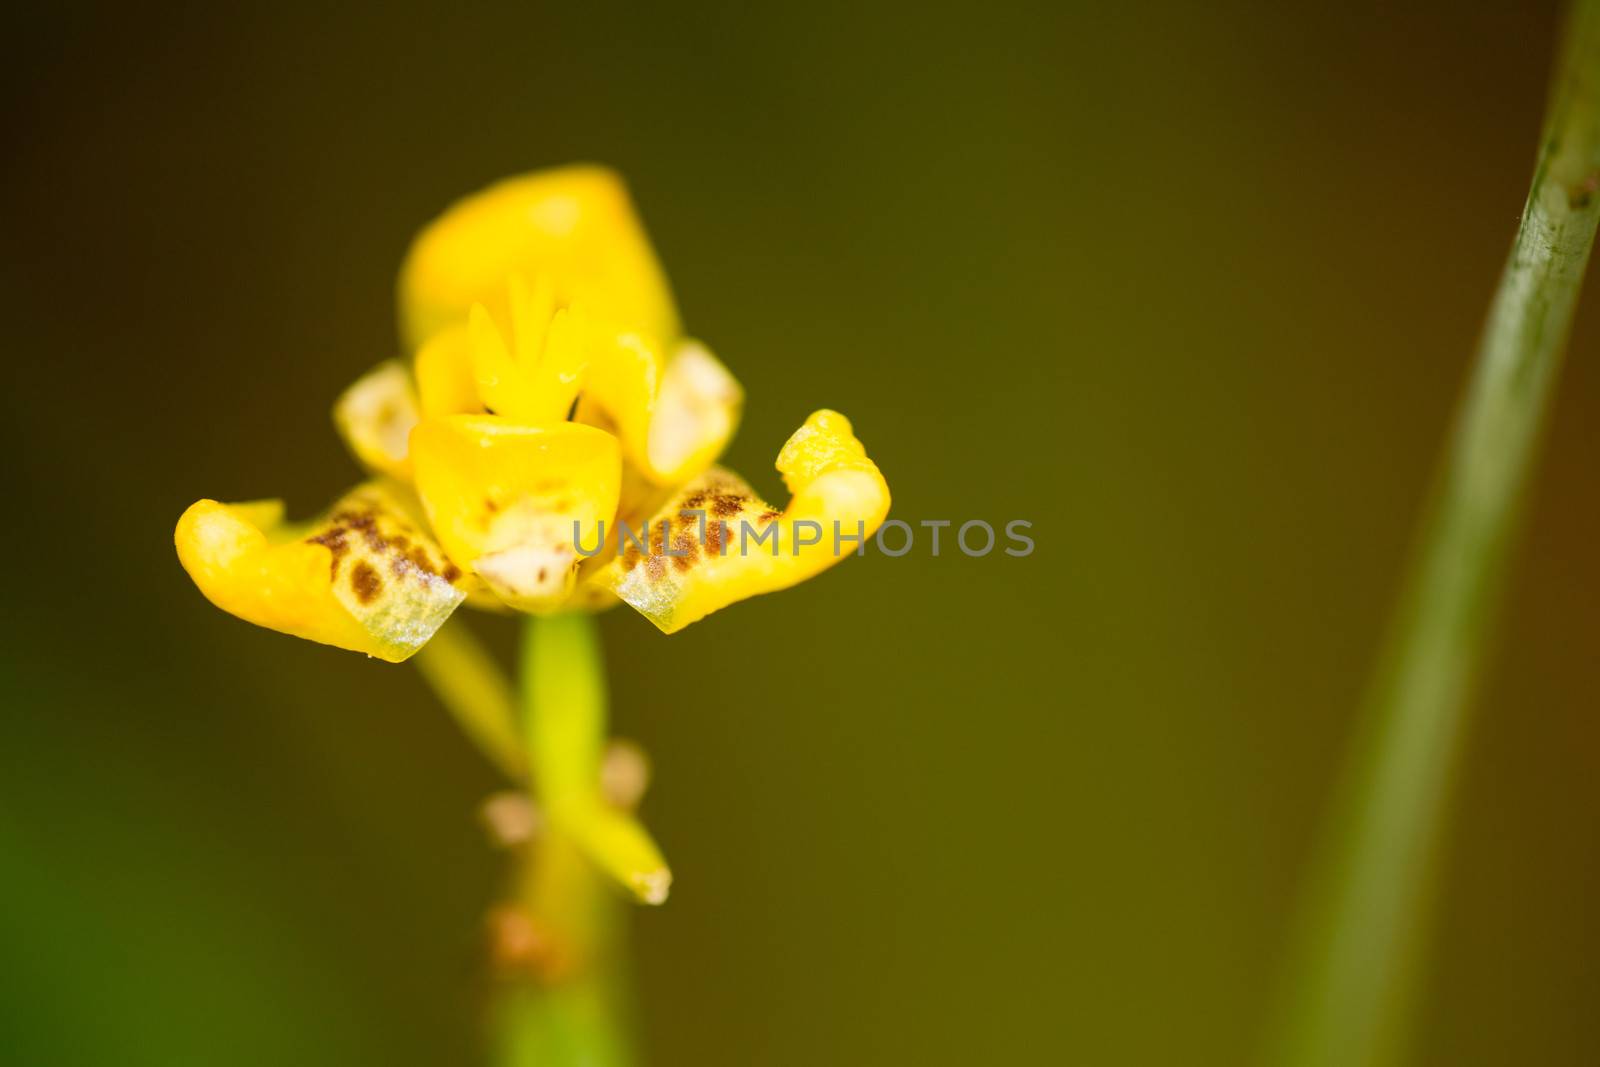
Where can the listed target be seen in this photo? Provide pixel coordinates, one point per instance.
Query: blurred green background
(1191, 290)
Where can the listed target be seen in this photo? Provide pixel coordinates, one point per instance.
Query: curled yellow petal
(674, 416)
(364, 577)
(375, 416)
(575, 225)
(716, 543)
(510, 501)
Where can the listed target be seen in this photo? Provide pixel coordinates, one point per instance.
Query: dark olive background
(1193, 289)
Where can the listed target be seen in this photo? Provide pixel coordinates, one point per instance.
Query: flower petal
(674, 417)
(375, 416)
(536, 377)
(716, 542)
(621, 846)
(575, 225)
(446, 382)
(696, 414)
(364, 577)
(508, 500)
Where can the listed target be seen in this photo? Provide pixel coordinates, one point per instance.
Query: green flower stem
(472, 686)
(565, 726)
(575, 1013)
(564, 707)
(1354, 977)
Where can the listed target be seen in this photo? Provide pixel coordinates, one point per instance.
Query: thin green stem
(473, 688)
(575, 1012)
(565, 728)
(564, 706)
(1354, 977)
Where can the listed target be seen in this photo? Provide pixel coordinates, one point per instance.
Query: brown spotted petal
(716, 543)
(364, 577)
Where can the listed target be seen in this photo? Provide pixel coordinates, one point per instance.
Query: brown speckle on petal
(655, 567)
(365, 582)
(716, 537)
(333, 540)
(685, 549)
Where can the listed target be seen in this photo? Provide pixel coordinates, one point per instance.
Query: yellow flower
(551, 408)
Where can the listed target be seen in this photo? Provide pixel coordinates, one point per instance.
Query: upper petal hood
(575, 226)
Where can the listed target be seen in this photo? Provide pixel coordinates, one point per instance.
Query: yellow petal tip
(652, 887)
(375, 416)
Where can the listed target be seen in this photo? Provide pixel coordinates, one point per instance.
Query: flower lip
(504, 498)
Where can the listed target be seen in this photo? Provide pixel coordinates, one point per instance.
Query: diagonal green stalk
(1353, 979)
(473, 688)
